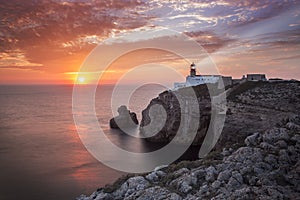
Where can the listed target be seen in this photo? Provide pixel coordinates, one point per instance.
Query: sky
(47, 41)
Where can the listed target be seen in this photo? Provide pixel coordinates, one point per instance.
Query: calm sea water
(41, 154)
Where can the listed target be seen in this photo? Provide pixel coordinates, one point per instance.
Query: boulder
(125, 119)
(224, 175)
(253, 139)
(210, 174)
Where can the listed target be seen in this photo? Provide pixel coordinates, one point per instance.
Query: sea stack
(125, 119)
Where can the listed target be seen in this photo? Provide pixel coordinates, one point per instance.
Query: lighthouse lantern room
(193, 70)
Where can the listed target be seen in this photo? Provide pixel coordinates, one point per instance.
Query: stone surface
(224, 175)
(131, 186)
(155, 176)
(253, 139)
(250, 172)
(124, 120)
(211, 173)
(255, 109)
(176, 109)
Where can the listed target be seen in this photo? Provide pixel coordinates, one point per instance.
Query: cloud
(277, 40)
(248, 12)
(56, 35)
(210, 41)
(17, 59)
(27, 67)
(218, 16)
(62, 27)
(288, 57)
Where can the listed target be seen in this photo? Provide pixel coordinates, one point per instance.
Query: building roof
(208, 75)
(256, 74)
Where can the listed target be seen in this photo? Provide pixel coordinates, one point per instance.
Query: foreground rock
(267, 166)
(125, 119)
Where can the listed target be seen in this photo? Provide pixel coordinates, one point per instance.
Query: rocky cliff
(256, 107)
(251, 107)
(173, 105)
(267, 166)
(256, 157)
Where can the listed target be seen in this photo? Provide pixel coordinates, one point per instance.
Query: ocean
(41, 154)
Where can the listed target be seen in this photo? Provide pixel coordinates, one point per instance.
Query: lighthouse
(193, 70)
(193, 79)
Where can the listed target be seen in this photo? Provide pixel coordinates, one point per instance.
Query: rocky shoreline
(256, 157)
(267, 166)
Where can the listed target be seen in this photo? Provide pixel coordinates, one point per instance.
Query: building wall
(227, 80)
(256, 77)
(179, 85)
(198, 80)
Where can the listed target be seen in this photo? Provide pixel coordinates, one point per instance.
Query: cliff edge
(256, 157)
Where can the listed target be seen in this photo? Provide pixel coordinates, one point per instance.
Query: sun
(81, 80)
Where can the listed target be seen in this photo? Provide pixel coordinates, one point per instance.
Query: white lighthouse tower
(193, 69)
(193, 79)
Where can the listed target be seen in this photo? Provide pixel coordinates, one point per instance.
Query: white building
(194, 79)
(201, 79)
(256, 77)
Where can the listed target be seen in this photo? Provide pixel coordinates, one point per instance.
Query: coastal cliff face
(172, 111)
(251, 107)
(256, 157)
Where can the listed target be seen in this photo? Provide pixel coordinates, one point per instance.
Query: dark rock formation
(164, 122)
(251, 107)
(125, 119)
(257, 107)
(267, 166)
(257, 156)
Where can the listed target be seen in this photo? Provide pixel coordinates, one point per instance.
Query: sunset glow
(81, 80)
(42, 43)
